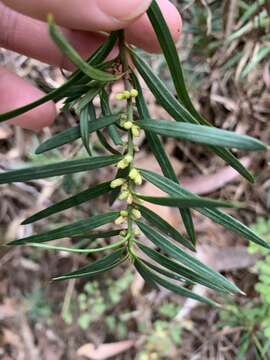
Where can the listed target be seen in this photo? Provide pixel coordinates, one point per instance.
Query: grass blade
(203, 134)
(217, 216)
(77, 228)
(161, 156)
(57, 169)
(157, 221)
(71, 202)
(186, 259)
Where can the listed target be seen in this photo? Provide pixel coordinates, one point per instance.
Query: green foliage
(96, 304)
(38, 309)
(163, 336)
(116, 131)
(208, 26)
(253, 319)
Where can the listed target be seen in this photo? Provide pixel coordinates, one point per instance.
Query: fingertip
(16, 92)
(172, 17)
(150, 42)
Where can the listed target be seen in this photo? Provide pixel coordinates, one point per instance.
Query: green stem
(81, 251)
(125, 65)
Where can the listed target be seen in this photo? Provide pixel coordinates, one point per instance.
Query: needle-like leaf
(74, 56)
(161, 156)
(217, 216)
(179, 113)
(106, 111)
(77, 228)
(178, 269)
(157, 221)
(203, 134)
(187, 260)
(71, 134)
(57, 169)
(180, 290)
(185, 202)
(97, 267)
(61, 92)
(71, 202)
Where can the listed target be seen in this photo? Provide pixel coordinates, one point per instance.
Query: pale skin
(23, 29)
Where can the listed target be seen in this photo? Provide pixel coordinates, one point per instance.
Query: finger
(16, 92)
(90, 15)
(141, 32)
(30, 37)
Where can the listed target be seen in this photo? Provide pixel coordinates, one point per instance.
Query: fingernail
(127, 10)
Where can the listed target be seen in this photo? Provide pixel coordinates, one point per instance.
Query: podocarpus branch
(166, 263)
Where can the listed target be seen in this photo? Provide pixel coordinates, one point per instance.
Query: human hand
(22, 29)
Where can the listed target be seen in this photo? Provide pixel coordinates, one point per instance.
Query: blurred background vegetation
(225, 50)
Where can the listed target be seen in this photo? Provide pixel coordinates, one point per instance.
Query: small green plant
(164, 335)
(116, 131)
(38, 309)
(96, 303)
(253, 320)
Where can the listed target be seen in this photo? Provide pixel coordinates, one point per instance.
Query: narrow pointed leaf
(203, 135)
(105, 108)
(77, 228)
(104, 142)
(217, 216)
(161, 156)
(59, 93)
(57, 169)
(144, 273)
(166, 273)
(178, 269)
(84, 129)
(100, 135)
(157, 221)
(180, 290)
(171, 55)
(88, 98)
(97, 267)
(179, 113)
(75, 58)
(94, 235)
(71, 202)
(185, 202)
(186, 259)
(74, 133)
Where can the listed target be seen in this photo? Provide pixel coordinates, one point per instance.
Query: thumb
(89, 15)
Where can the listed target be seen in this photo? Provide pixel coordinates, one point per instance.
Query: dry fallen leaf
(104, 351)
(206, 184)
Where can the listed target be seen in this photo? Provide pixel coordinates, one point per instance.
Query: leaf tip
(50, 19)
